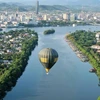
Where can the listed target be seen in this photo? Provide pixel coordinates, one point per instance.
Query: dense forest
(10, 74)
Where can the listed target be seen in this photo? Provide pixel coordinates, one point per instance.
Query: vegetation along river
(69, 79)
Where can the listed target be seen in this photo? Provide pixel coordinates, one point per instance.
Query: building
(98, 37)
(66, 17)
(16, 13)
(45, 17)
(32, 22)
(37, 7)
(73, 17)
(97, 47)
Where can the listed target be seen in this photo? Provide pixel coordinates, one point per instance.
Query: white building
(97, 47)
(98, 37)
(45, 17)
(66, 16)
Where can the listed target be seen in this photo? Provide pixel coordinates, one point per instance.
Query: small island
(50, 31)
(15, 49)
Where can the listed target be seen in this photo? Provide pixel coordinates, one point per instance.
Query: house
(9, 51)
(98, 37)
(97, 47)
(98, 51)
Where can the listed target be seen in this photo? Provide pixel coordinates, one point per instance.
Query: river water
(69, 79)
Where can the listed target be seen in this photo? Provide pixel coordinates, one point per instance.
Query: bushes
(46, 32)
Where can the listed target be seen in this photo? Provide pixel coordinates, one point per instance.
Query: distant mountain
(53, 7)
(12, 6)
(21, 7)
(75, 6)
(85, 2)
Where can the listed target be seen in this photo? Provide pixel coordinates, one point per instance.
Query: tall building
(37, 7)
(66, 16)
(17, 12)
(45, 17)
(73, 17)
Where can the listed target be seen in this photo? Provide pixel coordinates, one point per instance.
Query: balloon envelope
(48, 57)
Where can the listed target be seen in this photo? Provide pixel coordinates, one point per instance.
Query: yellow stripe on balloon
(44, 60)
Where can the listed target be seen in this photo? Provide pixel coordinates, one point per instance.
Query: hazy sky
(41, 1)
(54, 2)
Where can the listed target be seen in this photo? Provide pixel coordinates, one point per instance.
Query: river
(69, 79)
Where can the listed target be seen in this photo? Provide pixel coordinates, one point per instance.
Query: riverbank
(79, 54)
(20, 59)
(83, 40)
(34, 83)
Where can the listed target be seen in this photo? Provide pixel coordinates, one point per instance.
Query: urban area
(18, 18)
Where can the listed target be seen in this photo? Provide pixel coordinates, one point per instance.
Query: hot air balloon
(48, 57)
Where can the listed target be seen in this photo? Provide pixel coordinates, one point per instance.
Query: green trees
(98, 98)
(83, 41)
(9, 78)
(50, 31)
